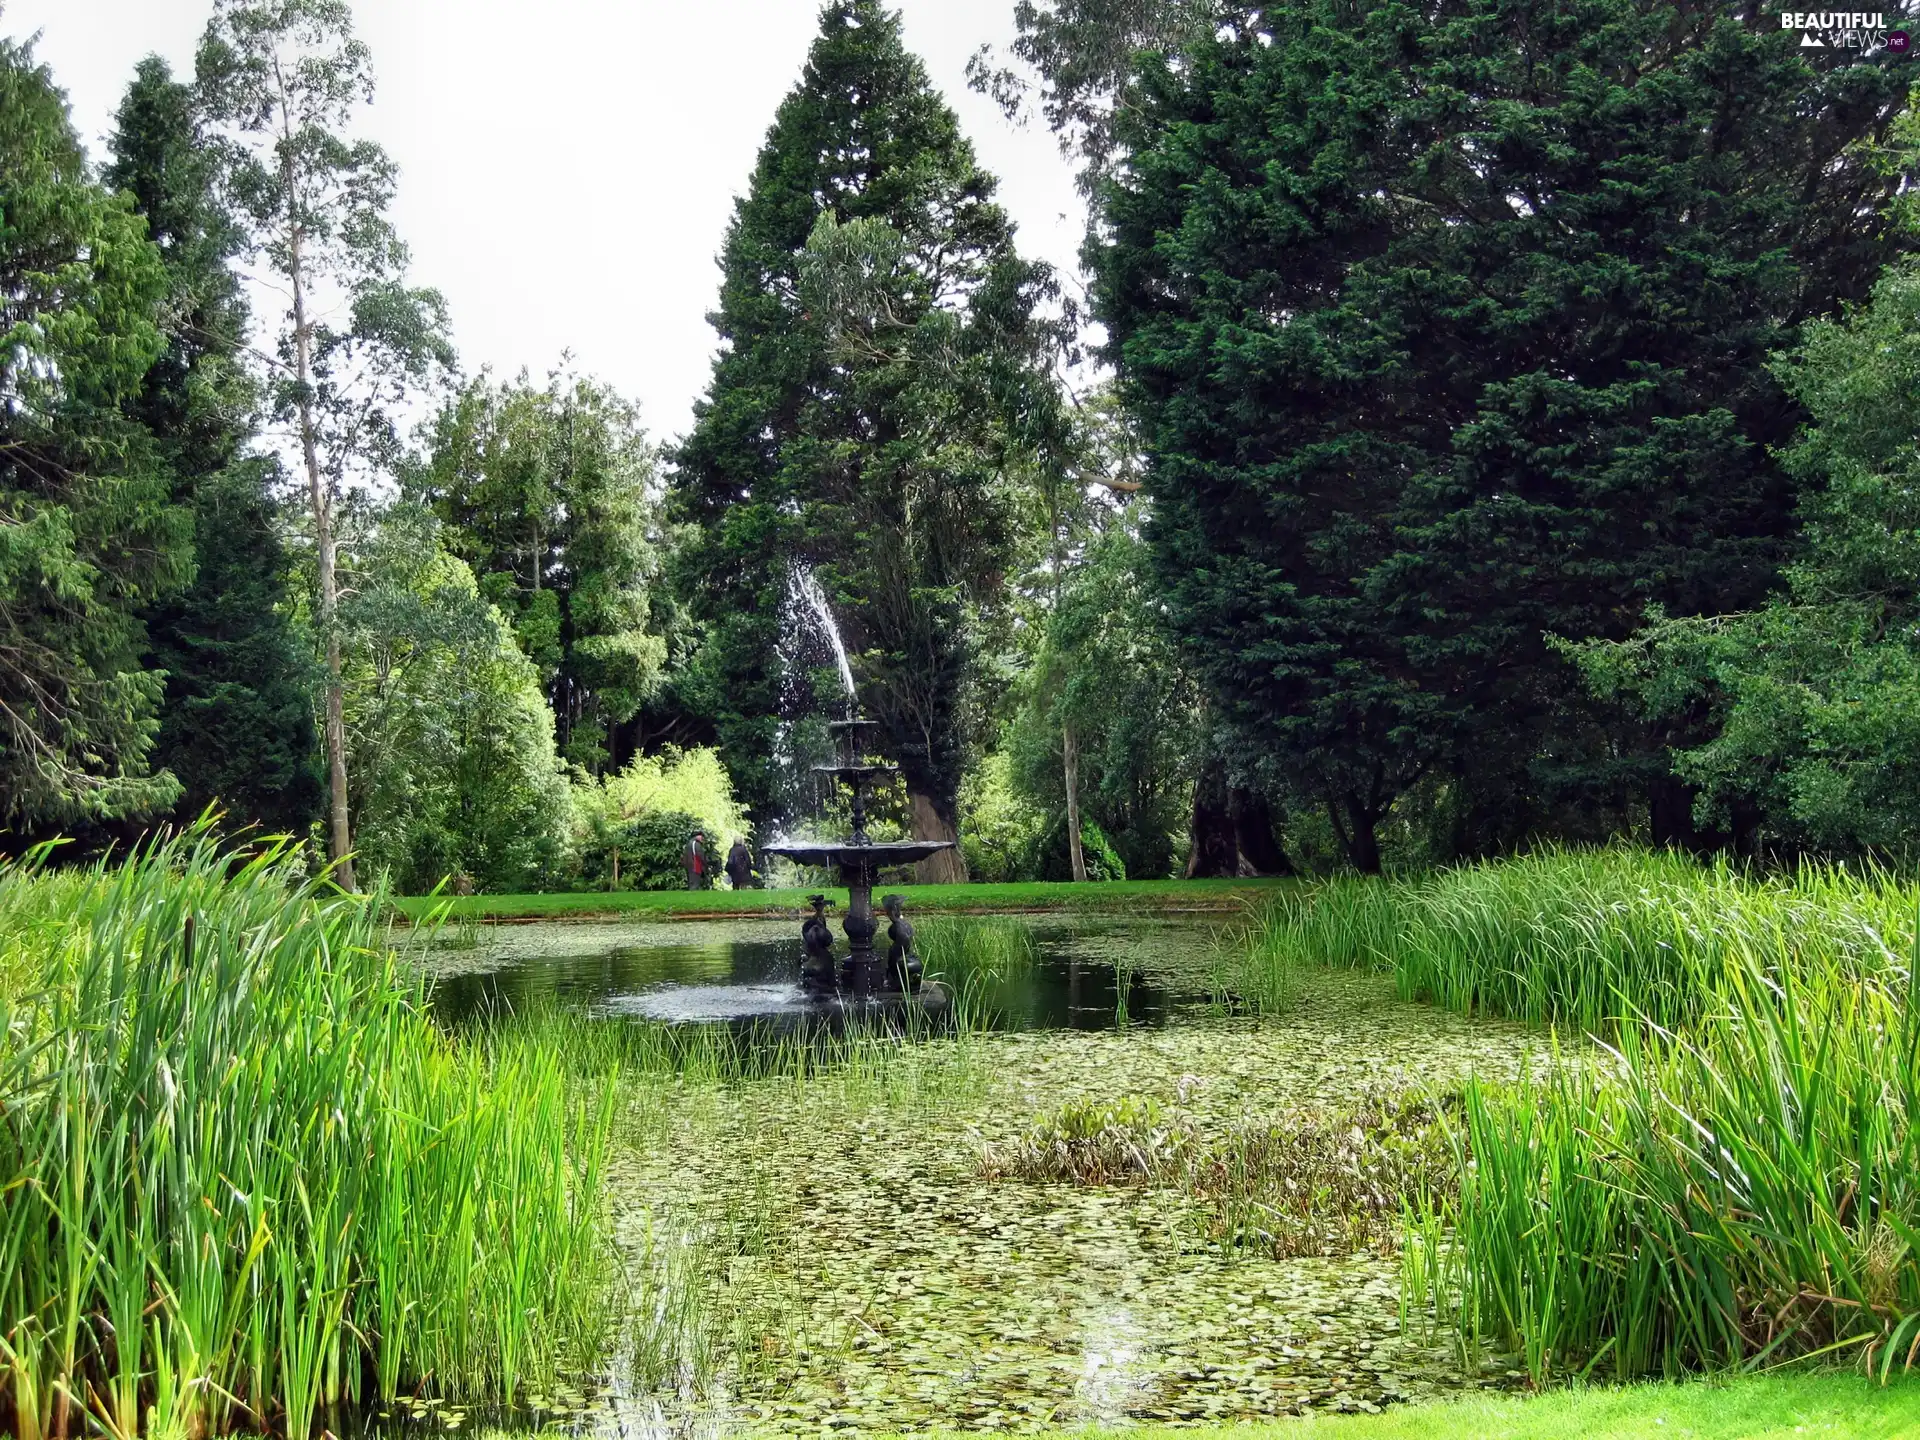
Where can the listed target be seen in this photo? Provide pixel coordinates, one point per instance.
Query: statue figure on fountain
(901, 956)
(818, 940)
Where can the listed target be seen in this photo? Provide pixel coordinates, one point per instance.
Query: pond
(1088, 972)
(848, 1263)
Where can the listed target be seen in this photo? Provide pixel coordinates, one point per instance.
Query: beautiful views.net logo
(1860, 30)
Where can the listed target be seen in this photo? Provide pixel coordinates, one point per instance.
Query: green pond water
(828, 1256)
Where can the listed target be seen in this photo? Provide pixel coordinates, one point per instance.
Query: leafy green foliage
(1812, 701)
(88, 535)
(1107, 668)
(648, 812)
(547, 494)
(1449, 330)
(877, 389)
(651, 851)
(450, 737)
(236, 723)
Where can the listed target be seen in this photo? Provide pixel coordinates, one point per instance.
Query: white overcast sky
(568, 166)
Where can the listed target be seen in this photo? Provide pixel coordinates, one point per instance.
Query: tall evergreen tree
(1071, 59)
(236, 723)
(1448, 330)
(547, 493)
(878, 390)
(87, 534)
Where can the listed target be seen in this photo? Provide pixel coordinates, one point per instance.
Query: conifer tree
(236, 723)
(1448, 333)
(879, 388)
(87, 534)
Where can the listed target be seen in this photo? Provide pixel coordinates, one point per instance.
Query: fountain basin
(847, 855)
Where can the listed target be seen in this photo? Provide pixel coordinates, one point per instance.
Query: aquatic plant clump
(243, 1178)
(1745, 1191)
(1318, 1182)
(1581, 938)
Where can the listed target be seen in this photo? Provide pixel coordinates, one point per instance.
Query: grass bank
(243, 1177)
(1763, 1407)
(1144, 895)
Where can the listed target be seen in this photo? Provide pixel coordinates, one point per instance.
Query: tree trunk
(340, 839)
(1232, 831)
(1213, 850)
(949, 867)
(1357, 837)
(1071, 751)
(1260, 851)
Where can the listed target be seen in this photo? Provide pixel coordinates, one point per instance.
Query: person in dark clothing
(696, 858)
(740, 865)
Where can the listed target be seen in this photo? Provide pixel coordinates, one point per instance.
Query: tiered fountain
(863, 977)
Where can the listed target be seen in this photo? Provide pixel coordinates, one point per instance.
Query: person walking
(696, 858)
(740, 865)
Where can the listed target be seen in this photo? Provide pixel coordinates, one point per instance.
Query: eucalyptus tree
(1071, 60)
(88, 533)
(283, 82)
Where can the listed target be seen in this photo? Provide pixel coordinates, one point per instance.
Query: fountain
(864, 977)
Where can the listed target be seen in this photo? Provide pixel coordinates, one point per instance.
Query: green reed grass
(1577, 938)
(1347, 920)
(984, 963)
(1736, 1180)
(1745, 1191)
(244, 1179)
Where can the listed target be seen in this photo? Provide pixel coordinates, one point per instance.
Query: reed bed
(244, 1179)
(1744, 1191)
(1584, 939)
(1732, 1178)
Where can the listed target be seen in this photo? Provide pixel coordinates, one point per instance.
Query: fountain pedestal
(859, 861)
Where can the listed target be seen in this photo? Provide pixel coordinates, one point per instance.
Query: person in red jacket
(696, 859)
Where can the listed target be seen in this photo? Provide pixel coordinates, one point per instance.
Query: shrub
(1049, 858)
(651, 850)
(648, 811)
(998, 827)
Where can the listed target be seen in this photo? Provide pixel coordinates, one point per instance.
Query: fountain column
(862, 970)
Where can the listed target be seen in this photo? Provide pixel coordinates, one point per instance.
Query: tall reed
(1747, 1189)
(1354, 921)
(243, 1178)
(1577, 938)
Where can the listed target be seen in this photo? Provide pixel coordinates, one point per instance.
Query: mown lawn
(1765, 1407)
(1118, 894)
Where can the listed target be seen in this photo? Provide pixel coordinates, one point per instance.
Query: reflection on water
(1087, 973)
